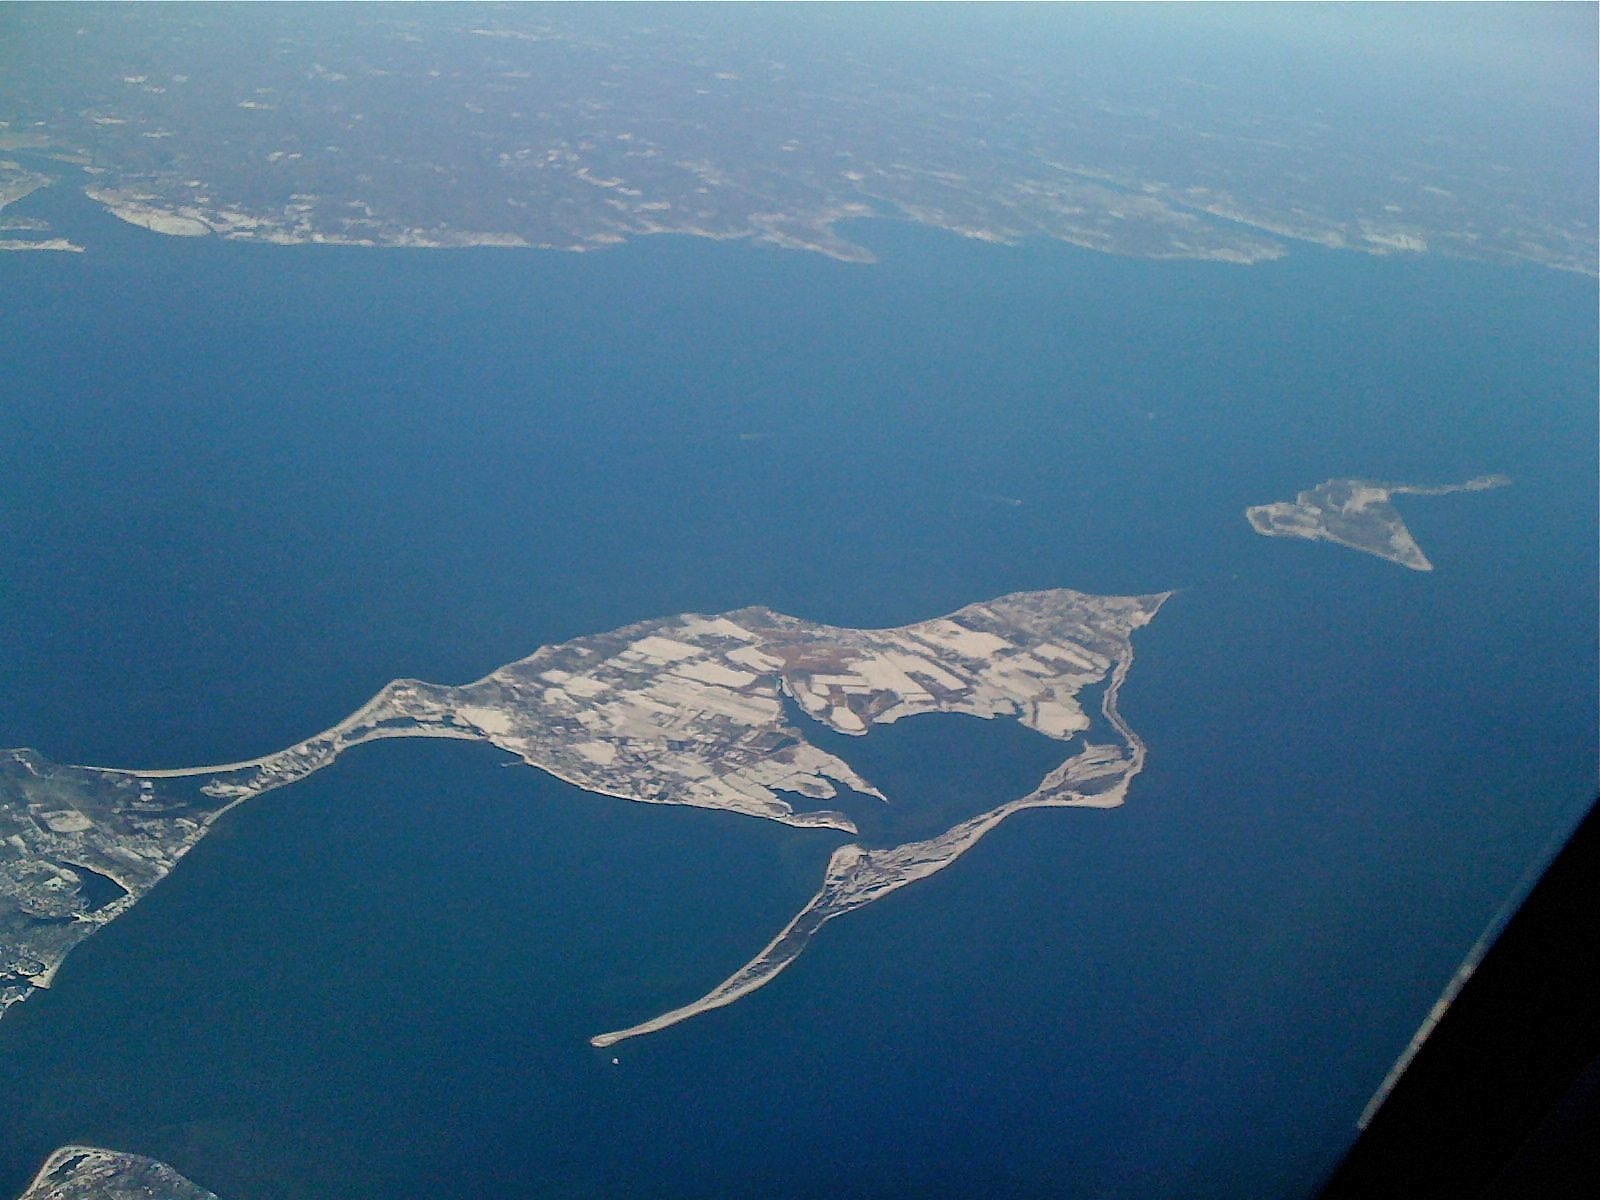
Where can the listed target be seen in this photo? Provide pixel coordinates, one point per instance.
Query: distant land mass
(1357, 513)
(89, 1173)
(688, 710)
(577, 128)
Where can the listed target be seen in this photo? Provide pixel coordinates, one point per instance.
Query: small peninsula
(89, 1173)
(1357, 513)
(688, 710)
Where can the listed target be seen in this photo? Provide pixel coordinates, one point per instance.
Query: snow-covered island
(685, 710)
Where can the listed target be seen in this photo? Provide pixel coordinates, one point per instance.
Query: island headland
(90, 1173)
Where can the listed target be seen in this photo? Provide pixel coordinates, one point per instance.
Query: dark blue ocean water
(242, 487)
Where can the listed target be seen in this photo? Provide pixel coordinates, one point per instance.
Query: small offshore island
(686, 710)
(1357, 513)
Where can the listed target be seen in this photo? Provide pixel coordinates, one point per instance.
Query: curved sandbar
(1097, 777)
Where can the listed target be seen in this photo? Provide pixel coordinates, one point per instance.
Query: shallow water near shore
(246, 486)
